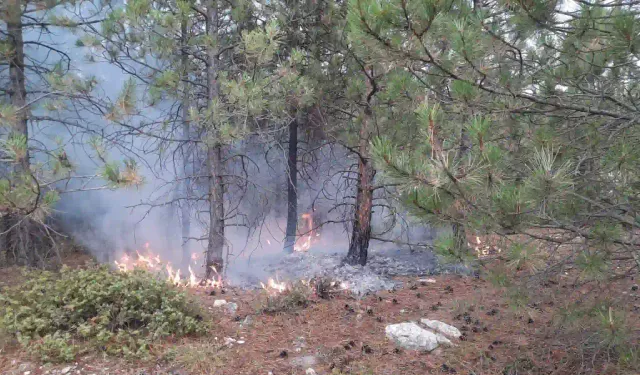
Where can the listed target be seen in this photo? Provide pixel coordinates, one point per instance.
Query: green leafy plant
(118, 313)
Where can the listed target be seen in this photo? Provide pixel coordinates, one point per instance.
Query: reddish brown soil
(346, 336)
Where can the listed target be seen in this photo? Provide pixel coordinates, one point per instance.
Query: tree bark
(19, 238)
(18, 91)
(185, 212)
(216, 212)
(361, 233)
(292, 188)
(457, 228)
(215, 248)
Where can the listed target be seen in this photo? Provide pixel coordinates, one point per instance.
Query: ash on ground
(377, 275)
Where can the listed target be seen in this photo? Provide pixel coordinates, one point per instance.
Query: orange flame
(193, 280)
(274, 286)
(306, 243)
(150, 261)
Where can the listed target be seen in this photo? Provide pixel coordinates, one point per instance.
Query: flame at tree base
(274, 286)
(303, 243)
(153, 263)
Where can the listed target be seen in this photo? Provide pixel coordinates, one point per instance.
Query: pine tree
(527, 112)
(167, 46)
(299, 21)
(39, 90)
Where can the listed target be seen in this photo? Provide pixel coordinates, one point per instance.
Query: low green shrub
(55, 314)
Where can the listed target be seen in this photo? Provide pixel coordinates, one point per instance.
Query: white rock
(409, 335)
(66, 370)
(219, 302)
(229, 341)
(247, 321)
(444, 328)
(429, 281)
(232, 307)
(443, 340)
(304, 361)
(310, 371)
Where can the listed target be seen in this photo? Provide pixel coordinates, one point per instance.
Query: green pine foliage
(500, 136)
(528, 117)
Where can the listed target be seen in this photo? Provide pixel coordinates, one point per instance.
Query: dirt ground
(345, 335)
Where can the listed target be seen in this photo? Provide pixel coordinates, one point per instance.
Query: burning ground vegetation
(143, 316)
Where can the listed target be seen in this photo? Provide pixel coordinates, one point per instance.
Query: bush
(293, 298)
(118, 313)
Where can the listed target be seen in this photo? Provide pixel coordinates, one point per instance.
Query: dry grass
(294, 298)
(196, 357)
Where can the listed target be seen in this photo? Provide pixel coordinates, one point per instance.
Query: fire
(152, 262)
(148, 261)
(174, 276)
(484, 250)
(215, 281)
(274, 286)
(304, 244)
(193, 280)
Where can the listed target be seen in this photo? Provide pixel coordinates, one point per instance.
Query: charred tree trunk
(185, 212)
(292, 188)
(215, 248)
(361, 233)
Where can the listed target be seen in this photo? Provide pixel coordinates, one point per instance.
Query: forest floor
(343, 335)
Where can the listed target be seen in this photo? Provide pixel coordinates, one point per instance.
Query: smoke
(112, 222)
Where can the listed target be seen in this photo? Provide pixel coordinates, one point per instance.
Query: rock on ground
(304, 361)
(444, 328)
(231, 307)
(411, 336)
(219, 303)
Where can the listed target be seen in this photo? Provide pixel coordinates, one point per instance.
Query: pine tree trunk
(457, 228)
(18, 91)
(214, 257)
(18, 239)
(292, 188)
(361, 233)
(216, 212)
(185, 212)
(292, 157)
(459, 236)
